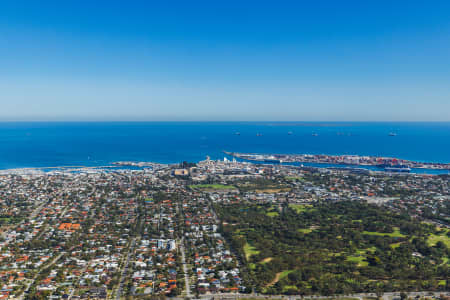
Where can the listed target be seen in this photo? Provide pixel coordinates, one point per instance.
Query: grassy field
(360, 256)
(211, 187)
(305, 230)
(396, 233)
(250, 250)
(299, 208)
(272, 190)
(295, 178)
(442, 237)
(395, 245)
(272, 214)
(289, 287)
(360, 260)
(285, 273)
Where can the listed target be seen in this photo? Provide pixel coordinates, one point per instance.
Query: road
(125, 270)
(43, 230)
(186, 275)
(386, 296)
(37, 210)
(79, 279)
(31, 217)
(37, 274)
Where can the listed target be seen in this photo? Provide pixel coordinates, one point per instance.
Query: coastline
(143, 165)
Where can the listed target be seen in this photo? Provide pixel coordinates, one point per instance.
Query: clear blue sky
(225, 60)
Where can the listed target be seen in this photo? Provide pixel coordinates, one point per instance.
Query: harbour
(379, 164)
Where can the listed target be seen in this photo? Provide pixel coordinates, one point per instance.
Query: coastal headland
(358, 160)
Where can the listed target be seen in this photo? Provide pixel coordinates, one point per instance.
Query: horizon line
(222, 121)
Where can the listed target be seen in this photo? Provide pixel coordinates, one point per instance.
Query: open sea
(49, 144)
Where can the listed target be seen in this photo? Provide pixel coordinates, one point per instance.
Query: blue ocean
(47, 144)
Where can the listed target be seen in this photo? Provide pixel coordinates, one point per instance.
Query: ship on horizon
(398, 169)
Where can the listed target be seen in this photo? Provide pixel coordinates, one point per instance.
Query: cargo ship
(398, 169)
(273, 160)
